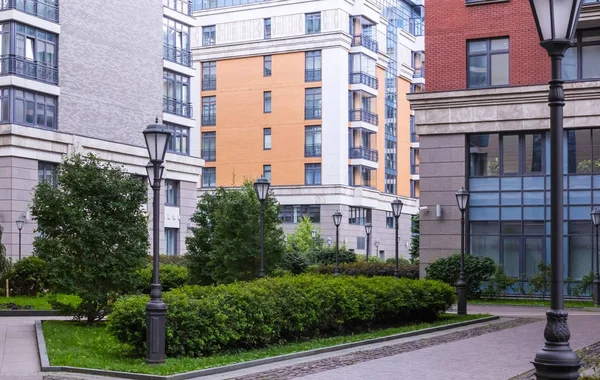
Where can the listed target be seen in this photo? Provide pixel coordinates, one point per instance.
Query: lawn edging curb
(28, 313)
(46, 367)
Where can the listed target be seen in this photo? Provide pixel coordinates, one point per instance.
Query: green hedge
(369, 269)
(170, 276)
(169, 259)
(478, 269)
(28, 277)
(203, 320)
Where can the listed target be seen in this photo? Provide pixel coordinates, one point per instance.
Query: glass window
(313, 22)
(209, 177)
(294, 213)
(267, 138)
(267, 102)
(267, 63)
(579, 151)
(176, 94)
(390, 221)
(484, 158)
(180, 139)
(267, 172)
(312, 174)
(209, 110)
(209, 76)
(488, 62)
(581, 61)
(510, 154)
(47, 172)
(360, 215)
(34, 110)
(533, 153)
(580, 249)
(209, 35)
(312, 141)
(312, 66)
(171, 246)
(176, 42)
(267, 25)
(209, 146)
(590, 56)
(312, 107)
(181, 6)
(360, 242)
(172, 192)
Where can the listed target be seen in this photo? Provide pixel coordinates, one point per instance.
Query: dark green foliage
(28, 276)
(294, 262)
(170, 276)
(401, 261)
(167, 259)
(5, 264)
(414, 240)
(540, 283)
(369, 269)
(204, 320)
(225, 241)
(478, 269)
(498, 283)
(92, 232)
(326, 255)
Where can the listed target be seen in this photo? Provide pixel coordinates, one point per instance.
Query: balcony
(312, 113)
(414, 169)
(46, 9)
(419, 73)
(177, 55)
(312, 75)
(12, 64)
(365, 41)
(181, 6)
(363, 115)
(364, 153)
(209, 155)
(363, 78)
(312, 150)
(177, 107)
(209, 84)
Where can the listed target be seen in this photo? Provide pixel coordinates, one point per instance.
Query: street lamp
(368, 229)
(596, 289)
(337, 220)
(261, 186)
(329, 242)
(313, 233)
(377, 241)
(157, 138)
(20, 223)
(462, 198)
(397, 211)
(556, 22)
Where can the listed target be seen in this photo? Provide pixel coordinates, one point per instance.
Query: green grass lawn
(38, 303)
(526, 302)
(77, 345)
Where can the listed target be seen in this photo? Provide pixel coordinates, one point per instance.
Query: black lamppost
(329, 242)
(313, 233)
(20, 223)
(397, 211)
(596, 289)
(377, 241)
(556, 22)
(368, 229)
(462, 198)
(157, 138)
(337, 220)
(261, 186)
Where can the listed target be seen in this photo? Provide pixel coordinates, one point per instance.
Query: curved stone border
(28, 313)
(46, 367)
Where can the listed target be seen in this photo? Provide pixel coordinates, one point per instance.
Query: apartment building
(312, 96)
(75, 77)
(484, 124)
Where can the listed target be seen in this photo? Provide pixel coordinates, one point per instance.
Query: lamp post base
(156, 315)
(396, 273)
(461, 289)
(596, 291)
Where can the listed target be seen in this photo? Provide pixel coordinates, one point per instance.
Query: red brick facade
(450, 23)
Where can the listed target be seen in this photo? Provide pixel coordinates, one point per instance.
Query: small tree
(5, 264)
(92, 233)
(225, 241)
(414, 240)
(301, 240)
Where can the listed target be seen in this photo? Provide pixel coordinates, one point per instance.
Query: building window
(267, 65)
(580, 248)
(313, 22)
(267, 102)
(312, 71)
(176, 90)
(506, 154)
(312, 174)
(176, 42)
(312, 107)
(172, 192)
(35, 53)
(209, 110)
(180, 140)
(267, 172)
(267, 28)
(583, 151)
(181, 6)
(488, 62)
(312, 141)
(34, 109)
(390, 221)
(267, 138)
(294, 213)
(209, 177)
(47, 172)
(171, 236)
(360, 242)
(581, 61)
(359, 215)
(209, 35)
(209, 146)
(209, 76)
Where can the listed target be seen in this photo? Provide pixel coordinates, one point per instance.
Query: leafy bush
(171, 276)
(478, 269)
(294, 262)
(168, 259)
(326, 255)
(369, 269)
(28, 276)
(498, 284)
(401, 261)
(203, 320)
(540, 283)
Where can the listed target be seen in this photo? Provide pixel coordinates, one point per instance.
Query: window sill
(483, 2)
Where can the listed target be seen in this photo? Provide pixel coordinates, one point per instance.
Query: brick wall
(450, 23)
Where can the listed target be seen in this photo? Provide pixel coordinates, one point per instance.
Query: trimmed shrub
(203, 320)
(168, 259)
(28, 276)
(369, 269)
(170, 276)
(478, 269)
(294, 262)
(326, 255)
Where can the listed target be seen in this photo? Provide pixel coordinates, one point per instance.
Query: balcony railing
(312, 150)
(312, 113)
(12, 64)
(209, 84)
(419, 73)
(181, 6)
(368, 42)
(414, 137)
(312, 75)
(366, 116)
(364, 153)
(177, 107)
(363, 78)
(46, 9)
(209, 155)
(177, 55)
(414, 169)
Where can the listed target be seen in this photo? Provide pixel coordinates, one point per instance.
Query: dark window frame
(310, 19)
(180, 138)
(311, 148)
(312, 169)
(312, 96)
(172, 233)
(578, 46)
(209, 35)
(176, 42)
(172, 191)
(267, 65)
(48, 172)
(209, 110)
(267, 172)
(209, 76)
(267, 132)
(293, 213)
(488, 53)
(310, 59)
(209, 153)
(360, 215)
(211, 174)
(267, 28)
(267, 102)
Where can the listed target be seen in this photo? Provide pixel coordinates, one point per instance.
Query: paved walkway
(496, 352)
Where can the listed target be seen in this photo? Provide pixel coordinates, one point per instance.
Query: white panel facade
(287, 25)
(239, 31)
